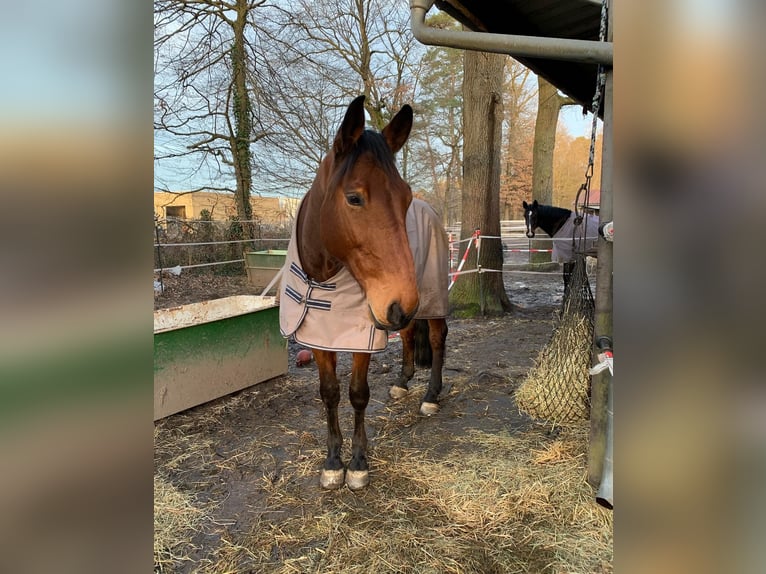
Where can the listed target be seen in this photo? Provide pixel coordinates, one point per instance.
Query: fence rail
(171, 252)
(199, 243)
(508, 228)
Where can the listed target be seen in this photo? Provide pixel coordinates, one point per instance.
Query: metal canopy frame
(556, 39)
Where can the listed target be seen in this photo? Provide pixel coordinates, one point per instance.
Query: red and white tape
(474, 237)
(606, 361)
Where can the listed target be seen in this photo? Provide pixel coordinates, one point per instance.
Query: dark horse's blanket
(333, 315)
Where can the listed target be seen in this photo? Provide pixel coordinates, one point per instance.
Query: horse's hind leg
(407, 335)
(333, 473)
(437, 337)
(358, 475)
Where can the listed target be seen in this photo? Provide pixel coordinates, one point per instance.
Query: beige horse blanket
(333, 315)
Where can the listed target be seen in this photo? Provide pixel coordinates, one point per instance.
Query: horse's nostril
(396, 316)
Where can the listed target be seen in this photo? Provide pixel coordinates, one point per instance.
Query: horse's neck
(316, 261)
(550, 219)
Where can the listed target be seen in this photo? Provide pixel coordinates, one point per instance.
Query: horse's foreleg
(358, 475)
(437, 337)
(333, 472)
(568, 268)
(399, 389)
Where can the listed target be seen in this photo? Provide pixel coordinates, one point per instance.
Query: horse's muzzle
(396, 318)
(530, 234)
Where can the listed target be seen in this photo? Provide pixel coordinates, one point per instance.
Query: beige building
(189, 205)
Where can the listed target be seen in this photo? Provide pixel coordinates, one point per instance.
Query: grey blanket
(585, 238)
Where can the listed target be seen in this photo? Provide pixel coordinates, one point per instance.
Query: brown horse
(351, 277)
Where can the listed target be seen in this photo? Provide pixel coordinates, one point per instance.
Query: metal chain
(600, 81)
(595, 105)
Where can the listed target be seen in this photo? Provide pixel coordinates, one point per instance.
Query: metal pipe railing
(587, 51)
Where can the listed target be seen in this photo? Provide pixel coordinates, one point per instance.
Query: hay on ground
(493, 503)
(175, 519)
(438, 502)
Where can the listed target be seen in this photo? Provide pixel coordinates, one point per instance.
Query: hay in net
(557, 388)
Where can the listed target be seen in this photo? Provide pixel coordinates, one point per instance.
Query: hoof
(357, 479)
(429, 409)
(331, 479)
(397, 392)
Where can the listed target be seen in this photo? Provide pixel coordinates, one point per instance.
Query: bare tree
(437, 140)
(482, 293)
(322, 54)
(516, 177)
(203, 50)
(300, 66)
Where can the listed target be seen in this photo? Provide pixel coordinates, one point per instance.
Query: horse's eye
(354, 199)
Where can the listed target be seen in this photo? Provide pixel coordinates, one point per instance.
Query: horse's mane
(553, 211)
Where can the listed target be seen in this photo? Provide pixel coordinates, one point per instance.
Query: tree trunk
(242, 111)
(545, 140)
(548, 107)
(481, 293)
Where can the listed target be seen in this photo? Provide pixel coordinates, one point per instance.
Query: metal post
(603, 299)
(605, 493)
(482, 306)
(159, 256)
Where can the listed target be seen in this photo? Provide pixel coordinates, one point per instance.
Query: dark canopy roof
(570, 19)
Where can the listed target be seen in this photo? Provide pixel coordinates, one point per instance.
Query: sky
(576, 124)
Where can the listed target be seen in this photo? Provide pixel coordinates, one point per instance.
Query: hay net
(557, 388)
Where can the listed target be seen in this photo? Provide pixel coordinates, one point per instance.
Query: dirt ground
(239, 456)
(495, 351)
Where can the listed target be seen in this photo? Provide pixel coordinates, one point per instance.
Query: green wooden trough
(204, 351)
(262, 266)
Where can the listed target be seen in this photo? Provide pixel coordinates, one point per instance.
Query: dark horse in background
(351, 277)
(571, 233)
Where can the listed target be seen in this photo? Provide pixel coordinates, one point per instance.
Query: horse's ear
(534, 204)
(398, 129)
(524, 204)
(352, 127)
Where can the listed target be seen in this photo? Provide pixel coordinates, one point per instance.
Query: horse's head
(363, 214)
(530, 217)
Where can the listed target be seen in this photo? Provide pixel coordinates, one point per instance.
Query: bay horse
(351, 277)
(570, 235)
